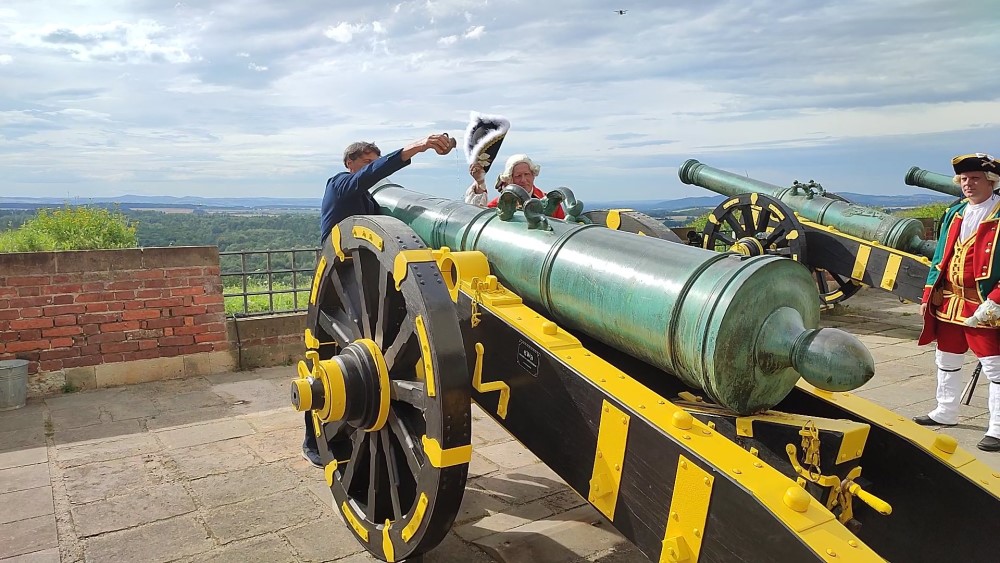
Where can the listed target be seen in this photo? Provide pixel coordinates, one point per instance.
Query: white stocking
(949, 386)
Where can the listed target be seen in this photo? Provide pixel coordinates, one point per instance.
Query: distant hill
(278, 203)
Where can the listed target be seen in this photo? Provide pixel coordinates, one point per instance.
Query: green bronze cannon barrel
(855, 220)
(933, 181)
(718, 322)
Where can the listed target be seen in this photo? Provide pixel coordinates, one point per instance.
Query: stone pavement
(208, 469)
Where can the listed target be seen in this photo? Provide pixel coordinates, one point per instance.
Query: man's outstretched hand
(442, 144)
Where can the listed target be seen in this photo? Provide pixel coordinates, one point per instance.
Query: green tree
(71, 228)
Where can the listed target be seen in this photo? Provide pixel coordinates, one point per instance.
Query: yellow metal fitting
(304, 393)
(797, 498)
(946, 443)
(682, 420)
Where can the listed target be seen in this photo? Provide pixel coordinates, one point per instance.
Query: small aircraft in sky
(620, 12)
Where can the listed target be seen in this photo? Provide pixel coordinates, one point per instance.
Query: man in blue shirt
(347, 194)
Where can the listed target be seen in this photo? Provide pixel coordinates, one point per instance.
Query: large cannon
(844, 244)
(645, 373)
(932, 181)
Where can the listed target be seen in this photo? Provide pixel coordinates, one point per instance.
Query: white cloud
(140, 41)
(342, 32)
(600, 100)
(475, 32)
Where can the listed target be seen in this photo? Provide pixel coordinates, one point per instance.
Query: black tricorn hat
(483, 138)
(977, 162)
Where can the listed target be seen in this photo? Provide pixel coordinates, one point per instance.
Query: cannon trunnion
(412, 315)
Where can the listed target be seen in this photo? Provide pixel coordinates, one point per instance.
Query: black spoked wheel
(388, 387)
(631, 222)
(833, 288)
(755, 224)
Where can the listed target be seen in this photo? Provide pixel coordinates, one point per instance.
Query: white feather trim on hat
(499, 125)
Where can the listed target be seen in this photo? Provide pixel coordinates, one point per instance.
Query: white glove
(988, 313)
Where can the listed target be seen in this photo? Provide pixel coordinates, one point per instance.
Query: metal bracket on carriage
(810, 188)
(564, 195)
(514, 197)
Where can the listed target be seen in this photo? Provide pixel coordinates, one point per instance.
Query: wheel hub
(748, 246)
(352, 387)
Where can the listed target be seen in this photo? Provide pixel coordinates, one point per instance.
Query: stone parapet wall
(74, 315)
(273, 340)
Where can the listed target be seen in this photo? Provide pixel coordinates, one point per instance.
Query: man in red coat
(960, 302)
(522, 171)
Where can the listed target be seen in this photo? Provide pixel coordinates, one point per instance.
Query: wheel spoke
(821, 283)
(410, 392)
(346, 301)
(358, 441)
(382, 306)
(372, 477)
(393, 473)
(738, 230)
(776, 238)
(763, 220)
(725, 238)
(339, 327)
(359, 279)
(398, 346)
(406, 442)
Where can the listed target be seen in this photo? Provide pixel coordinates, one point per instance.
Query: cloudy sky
(259, 97)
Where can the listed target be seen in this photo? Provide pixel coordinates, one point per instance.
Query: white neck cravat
(974, 215)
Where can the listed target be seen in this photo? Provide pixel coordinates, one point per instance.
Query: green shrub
(699, 222)
(929, 211)
(71, 228)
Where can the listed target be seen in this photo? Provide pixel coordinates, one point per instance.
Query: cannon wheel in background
(755, 224)
(398, 492)
(631, 222)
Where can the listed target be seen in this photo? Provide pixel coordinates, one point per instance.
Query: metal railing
(266, 282)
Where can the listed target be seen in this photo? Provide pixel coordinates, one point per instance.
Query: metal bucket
(13, 384)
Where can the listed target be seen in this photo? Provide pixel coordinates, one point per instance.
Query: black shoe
(924, 420)
(312, 456)
(989, 444)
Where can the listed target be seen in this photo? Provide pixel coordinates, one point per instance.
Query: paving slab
(127, 511)
(243, 485)
(50, 555)
(571, 536)
(193, 435)
(261, 515)
(211, 459)
(23, 477)
(105, 479)
(166, 540)
(27, 536)
(22, 505)
(323, 539)
(269, 548)
(21, 457)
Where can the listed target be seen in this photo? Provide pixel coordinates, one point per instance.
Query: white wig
(508, 169)
(990, 177)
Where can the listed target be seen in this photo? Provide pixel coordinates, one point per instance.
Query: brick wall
(73, 315)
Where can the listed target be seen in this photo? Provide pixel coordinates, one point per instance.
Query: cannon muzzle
(932, 181)
(810, 202)
(718, 322)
